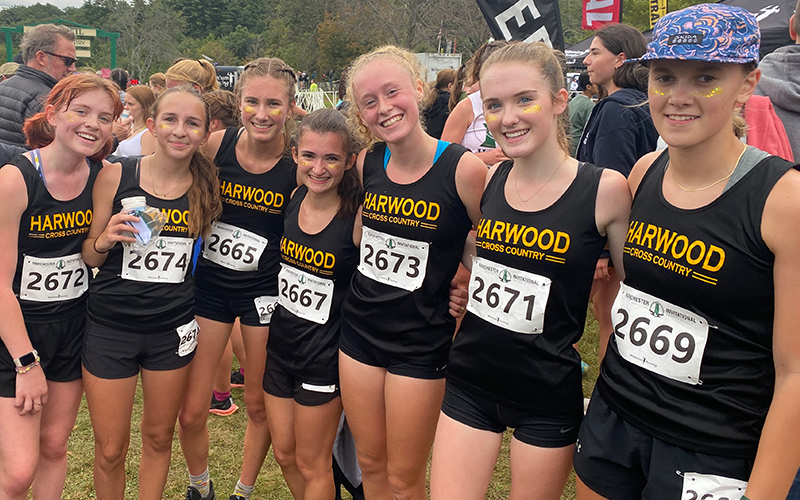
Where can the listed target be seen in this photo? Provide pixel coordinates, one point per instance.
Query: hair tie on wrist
(94, 247)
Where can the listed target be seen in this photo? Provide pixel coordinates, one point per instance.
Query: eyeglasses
(68, 61)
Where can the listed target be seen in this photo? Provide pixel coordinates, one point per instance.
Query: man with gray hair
(48, 53)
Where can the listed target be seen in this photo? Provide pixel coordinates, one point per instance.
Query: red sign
(598, 13)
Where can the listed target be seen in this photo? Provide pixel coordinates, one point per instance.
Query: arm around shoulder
(612, 213)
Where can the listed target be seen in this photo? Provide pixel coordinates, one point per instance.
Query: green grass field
(227, 437)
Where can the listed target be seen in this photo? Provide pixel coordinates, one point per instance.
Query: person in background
(436, 111)
(466, 124)
(780, 81)
(198, 73)
(618, 133)
(138, 101)
(158, 82)
(580, 107)
(7, 70)
(49, 54)
(121, 79)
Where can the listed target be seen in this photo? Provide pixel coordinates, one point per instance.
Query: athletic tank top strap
(421, 227)
(152, 292)
(440, 147)
(529, 288)
(51, 279)
(699, 282)
(314, 279)
(251, 221)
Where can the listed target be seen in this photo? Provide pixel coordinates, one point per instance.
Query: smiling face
(691, 101)
(85, 124)
(601, 64)
(180, 126)
(387, 99)
(321, 161)
(520, 109)
(265, 106)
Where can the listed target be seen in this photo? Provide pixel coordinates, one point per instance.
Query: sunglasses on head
(68, 61)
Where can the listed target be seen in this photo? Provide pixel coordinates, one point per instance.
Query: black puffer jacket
(21, 96)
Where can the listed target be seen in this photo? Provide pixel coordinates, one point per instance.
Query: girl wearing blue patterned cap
(697, 395)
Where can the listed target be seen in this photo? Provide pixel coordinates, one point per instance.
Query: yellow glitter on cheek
(491, 118)
(303, 163)
(658, 91)
(71, 117)
(532, 109)
(196, 132)
(162, 126)
(708, 95)
(249, 109)
(276, 112)
(334, 166)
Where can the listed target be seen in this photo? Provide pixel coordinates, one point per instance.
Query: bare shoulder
(13, 191)
(780, 223)
(640, 168)
(213, 144)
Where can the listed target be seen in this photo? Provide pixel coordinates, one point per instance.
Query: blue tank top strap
(440, 147)
(36, 156)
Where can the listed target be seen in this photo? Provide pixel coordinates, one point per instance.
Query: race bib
(234, 248)
(507, 297)
(166, 262)
(305, 295)
(659, 336)
(395, 261)
(265, 306)
(53, 279)
(188, 338)
(708, 487)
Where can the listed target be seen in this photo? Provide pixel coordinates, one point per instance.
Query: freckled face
(86, 124)
(387, 99)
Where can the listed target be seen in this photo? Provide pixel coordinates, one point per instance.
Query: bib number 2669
(659, 336)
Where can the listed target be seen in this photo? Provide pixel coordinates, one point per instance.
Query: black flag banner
(525, 20)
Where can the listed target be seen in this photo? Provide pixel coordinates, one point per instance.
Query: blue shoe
(584, 368)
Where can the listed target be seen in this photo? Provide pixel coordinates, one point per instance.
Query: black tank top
(317, 273)
(712, 263)
(252, 215)
(54, 230)
(403, 219)
(152, 293)
(538, 372)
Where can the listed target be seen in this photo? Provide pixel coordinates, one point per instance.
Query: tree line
(310, 35)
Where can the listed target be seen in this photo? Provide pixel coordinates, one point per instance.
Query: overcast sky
(58, 3)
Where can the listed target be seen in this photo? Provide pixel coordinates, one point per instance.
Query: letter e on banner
(598, 13)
